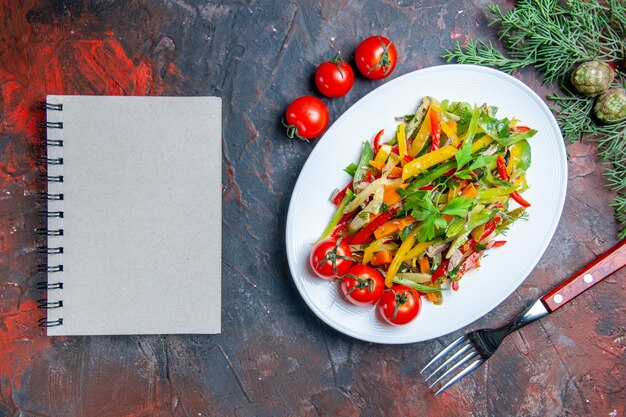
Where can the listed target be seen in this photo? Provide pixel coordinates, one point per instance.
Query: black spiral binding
(46, 196)
(44, 141)
(50, 178)
(49, 106)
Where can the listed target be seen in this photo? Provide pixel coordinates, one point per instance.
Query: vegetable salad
(424, 207)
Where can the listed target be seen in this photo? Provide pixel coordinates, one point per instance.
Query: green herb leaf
(464, 111)
(459, 206)
(464, 155)
(482, 161)
(420, 204)
(496, 128)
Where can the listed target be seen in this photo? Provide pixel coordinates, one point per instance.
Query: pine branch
(554, 38)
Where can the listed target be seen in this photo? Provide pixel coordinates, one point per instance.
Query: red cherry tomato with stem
(362, 285)
(334, 78)
(376, 57)
(399, 304)
(306, 118)
(331, 258)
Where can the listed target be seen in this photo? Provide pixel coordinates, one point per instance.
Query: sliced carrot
(392, 226)
(396, 172)
(383, 257)
(391, 197)
(424, 264)
(470, 191)
(431, 296)
(378, 165)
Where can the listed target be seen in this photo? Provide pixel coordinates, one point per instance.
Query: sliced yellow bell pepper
(449, 128)
(417, 250)
(383, 154)
(368, 253)
(435, 157)
(428, 160)
(477, 232)
(378, 165)
(452, 192)
(400, 254)
(481, 143)
(401, 136)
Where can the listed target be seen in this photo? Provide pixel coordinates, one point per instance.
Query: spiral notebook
(133, 215)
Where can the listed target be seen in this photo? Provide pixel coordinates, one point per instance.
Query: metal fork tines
(470, 351)
(462, 356)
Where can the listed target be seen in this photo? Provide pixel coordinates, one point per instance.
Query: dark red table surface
(273, 357)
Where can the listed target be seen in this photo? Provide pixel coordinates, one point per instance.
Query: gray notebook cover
(141, 215)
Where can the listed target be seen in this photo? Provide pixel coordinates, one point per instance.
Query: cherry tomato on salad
(376, 57)
(399, 304)
(334, 78)
(362, 285)
(306, 118)
(331, 258)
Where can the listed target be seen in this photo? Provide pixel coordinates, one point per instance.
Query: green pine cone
(592, 78)
(610, 107)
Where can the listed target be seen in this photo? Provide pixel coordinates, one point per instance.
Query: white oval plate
(500, 273)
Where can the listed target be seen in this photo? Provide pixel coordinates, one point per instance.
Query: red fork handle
(589, 276)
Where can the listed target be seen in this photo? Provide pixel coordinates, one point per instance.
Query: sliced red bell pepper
(519, 199)
(369, 176)
(471, 262)
(341, 194)
(408, 158)
(502, 168)
(376, 144)
(440, 271)
(365, 233)
(450, 173)
(347, 218)
(427, 187)
(339, 228)
(504, 175)
(498, 243)
(490, 227)
(435, 130)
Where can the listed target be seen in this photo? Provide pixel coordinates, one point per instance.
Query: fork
(470, 351)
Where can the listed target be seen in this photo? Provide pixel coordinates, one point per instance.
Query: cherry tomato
(331, 258)
(376, 57)
(306, 118)
(399, 304)
(362, 285)
(334, 78)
